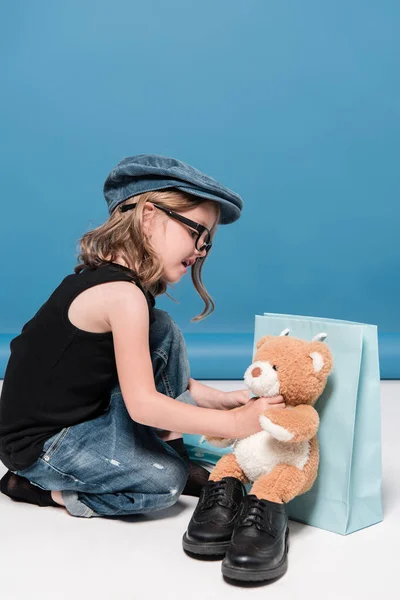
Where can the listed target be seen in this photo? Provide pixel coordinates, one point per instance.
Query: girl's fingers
(275, 400)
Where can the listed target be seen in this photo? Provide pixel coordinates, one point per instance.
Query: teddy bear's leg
(310, 470)
(227, 466)
(284, 483)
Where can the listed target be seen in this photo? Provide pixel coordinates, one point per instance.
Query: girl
(97, 390)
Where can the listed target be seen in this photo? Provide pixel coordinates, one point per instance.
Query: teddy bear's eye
(275, 368)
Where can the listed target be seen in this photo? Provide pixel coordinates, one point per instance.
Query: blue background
(294, 105)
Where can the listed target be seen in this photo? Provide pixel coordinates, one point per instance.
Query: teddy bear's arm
(291, 424)
(219, 442)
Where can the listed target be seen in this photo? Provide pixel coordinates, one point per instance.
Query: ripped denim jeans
(112, 465)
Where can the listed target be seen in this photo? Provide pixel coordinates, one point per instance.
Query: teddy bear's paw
(278, 432)
(216, 441)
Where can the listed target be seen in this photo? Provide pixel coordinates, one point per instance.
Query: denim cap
(149, 172)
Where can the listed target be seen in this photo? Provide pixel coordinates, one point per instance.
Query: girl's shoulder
(89, 310)
(104, 288)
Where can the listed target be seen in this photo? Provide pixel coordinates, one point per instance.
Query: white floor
(47, 554)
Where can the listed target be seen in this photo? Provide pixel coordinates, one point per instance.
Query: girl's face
(174, 241)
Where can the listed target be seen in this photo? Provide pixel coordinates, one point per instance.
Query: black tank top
(57, 375)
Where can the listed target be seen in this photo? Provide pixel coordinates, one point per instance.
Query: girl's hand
(240, 397)
(234, 399)
(246, 419)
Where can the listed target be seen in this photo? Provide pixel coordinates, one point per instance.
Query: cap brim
(229, 212)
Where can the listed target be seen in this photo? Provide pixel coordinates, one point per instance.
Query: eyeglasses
(204, 235)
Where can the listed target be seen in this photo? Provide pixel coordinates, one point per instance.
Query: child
(97, 391)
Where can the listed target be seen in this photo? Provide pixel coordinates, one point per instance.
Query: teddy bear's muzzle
(262, 380)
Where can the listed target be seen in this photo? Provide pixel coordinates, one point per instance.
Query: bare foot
(57, 497)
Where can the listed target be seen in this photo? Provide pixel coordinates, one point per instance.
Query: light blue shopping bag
(346, 495)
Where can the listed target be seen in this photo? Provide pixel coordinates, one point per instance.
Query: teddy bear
(281, 462)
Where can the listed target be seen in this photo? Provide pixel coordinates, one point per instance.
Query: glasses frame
(197, 226)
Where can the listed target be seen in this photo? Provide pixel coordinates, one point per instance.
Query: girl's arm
(166, 413)
(205, 396)
(127, 313)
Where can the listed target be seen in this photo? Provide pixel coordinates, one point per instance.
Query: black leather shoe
(212, 523)
(259, 544)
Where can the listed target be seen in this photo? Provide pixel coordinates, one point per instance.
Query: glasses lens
(203, 241)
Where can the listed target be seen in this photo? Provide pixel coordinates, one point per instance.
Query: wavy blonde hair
(122, 235)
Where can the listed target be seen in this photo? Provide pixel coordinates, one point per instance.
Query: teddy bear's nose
(256, 372)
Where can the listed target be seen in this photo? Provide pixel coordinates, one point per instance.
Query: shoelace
(254, 513)
(215, 493)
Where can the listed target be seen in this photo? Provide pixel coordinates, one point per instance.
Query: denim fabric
(112, 465)
(149, 172)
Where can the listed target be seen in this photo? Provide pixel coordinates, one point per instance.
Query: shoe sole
(205, 549)
(260, 575)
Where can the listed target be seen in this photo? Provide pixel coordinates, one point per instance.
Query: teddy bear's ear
(321, 357)
(318, 361)
(266, 338)
(262, 340)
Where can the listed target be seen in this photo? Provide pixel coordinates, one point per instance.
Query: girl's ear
(149, 212)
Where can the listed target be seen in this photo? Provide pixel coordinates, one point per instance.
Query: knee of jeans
(177, 476)
(167, 326)
(182, 472)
